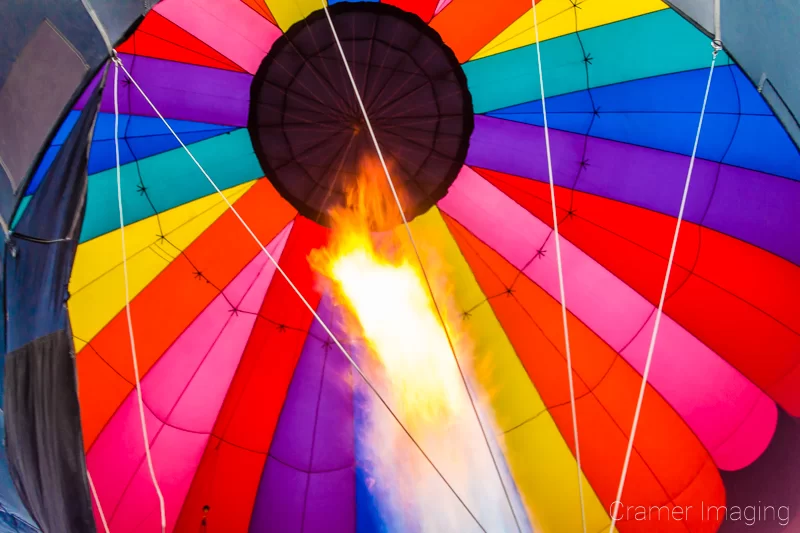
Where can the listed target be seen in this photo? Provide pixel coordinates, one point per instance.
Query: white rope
(148, 455)
(416, 250)
(560, 274)
(296, 290)
(651, 349)
(97, 502)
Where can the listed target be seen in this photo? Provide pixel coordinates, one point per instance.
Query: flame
(408, 349)
(379, 280)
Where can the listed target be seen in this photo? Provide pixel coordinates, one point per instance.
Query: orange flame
(377, 278)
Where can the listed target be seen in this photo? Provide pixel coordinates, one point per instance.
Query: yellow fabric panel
(539, 459)
(97, 290)
(557, 18)
(287, 12)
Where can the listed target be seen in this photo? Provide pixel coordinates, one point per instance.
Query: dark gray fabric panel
(43, 431)
(43, 435)
(38, 87)
(21, 19)
(13, 515)
(37, 269)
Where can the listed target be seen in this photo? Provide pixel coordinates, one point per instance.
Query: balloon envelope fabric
(254, 416)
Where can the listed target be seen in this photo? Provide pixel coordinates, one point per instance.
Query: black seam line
(369, 57)
(342, 105)
(610, 416)
(570, 33)
(309, 472)
(583, 381)
(143, 187)
(621, 82)
(431, 151)
(156, 241)
(238, 68)
(223, 129)
(179, 334)
(438, 98)
(519, 303)
(188, 383)
(512, 37)
(285, 112)
(403, 53)
(321, 107)
(644, 324)
(430, 80)
(131, 383)
(389, 46)
(314, 429)
(638, 207)
(689, 270)
(647, 148)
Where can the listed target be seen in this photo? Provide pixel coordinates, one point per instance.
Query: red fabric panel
(229, 473)
(466, 26)
(260, 7)
(423, 8)
(667, 456)
(738, 299)
(158, 37)
(163, 310)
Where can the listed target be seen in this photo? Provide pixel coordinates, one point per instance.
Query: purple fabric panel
(330, 504)
(297, 493)
(752, 206)
(294, 435)
(280, 501)
(180, 91)
(334, 431)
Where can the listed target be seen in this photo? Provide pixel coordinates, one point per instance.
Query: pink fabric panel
(176, 455)
(114, 458)
(185, 389)
(229, 26)
(730, 415)
(441, 5)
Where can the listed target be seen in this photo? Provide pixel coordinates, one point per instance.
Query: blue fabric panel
(663, 112)
(14, 518)
(139, 137)
(52, 150)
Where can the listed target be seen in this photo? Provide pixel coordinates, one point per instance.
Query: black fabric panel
(307, 127)
(771, 480)
(43, 436)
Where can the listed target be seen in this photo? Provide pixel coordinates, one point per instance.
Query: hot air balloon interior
(421, 266)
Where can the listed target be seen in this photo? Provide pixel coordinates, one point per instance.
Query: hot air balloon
(409, 265)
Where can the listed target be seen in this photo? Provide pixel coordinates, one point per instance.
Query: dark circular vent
(306, 125)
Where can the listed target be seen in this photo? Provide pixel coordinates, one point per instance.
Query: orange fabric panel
(667, 455)
(160, 38)
(738, 299)
(260, 7)
(163, 310)
(466, 26)
(252, 406)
